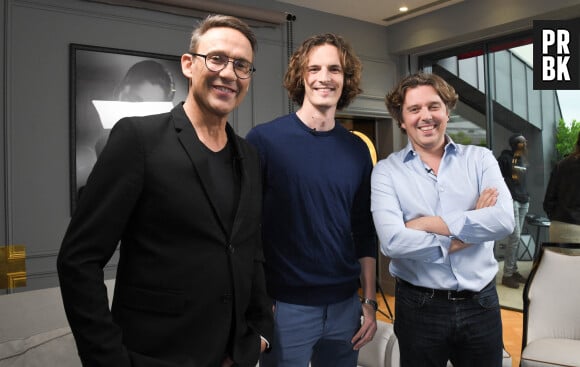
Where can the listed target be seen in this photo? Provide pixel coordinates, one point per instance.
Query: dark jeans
(433, 330)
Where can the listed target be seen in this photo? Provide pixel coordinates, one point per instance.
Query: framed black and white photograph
(107, 84)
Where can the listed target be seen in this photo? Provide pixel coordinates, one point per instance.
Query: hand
(487, 198)
(457, 245)
(263, 345)
(227, 362)
(368, 328)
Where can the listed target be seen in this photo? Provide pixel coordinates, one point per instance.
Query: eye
(335, 69)
(242, 65)
(313, 69)
(217, 59)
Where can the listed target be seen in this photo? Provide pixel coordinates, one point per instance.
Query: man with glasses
(319, 239)
(181, 193)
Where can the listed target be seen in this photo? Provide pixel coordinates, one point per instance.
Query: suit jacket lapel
(241, 168)
(194, 149)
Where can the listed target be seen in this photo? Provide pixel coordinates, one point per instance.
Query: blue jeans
(432, 331)
(511, 250)
(317, 334)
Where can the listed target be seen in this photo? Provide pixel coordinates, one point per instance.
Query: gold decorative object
(12, 266)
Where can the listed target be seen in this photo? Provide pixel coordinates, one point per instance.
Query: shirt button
(231, 248)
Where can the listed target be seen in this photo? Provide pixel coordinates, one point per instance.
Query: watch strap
(371, 302)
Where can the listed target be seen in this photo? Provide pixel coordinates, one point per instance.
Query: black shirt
(226, 179)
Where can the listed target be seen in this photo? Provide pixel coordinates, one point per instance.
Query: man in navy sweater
(318, 233)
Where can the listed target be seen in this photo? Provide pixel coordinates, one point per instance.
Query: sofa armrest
(383, 350)
(52, 348)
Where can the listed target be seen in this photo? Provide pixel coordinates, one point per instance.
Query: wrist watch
(371, 302)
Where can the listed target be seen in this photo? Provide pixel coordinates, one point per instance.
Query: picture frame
(107, 84)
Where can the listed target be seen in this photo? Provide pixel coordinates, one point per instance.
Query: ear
(186, 65)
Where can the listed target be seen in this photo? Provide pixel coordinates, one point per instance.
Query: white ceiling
(374, 11)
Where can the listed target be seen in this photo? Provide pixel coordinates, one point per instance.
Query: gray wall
(34, 107)
(34, 103)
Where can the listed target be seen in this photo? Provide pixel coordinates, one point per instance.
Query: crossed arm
(435, 224)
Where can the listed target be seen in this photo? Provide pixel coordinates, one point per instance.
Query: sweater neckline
(311, 131)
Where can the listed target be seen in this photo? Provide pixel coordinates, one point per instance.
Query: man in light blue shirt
(438, 207)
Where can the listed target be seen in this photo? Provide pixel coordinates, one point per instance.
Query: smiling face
(323, 78)
(217, 93)
(424, 118)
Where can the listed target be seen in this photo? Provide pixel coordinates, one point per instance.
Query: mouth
(225, 90)
(427, 128)
(324, 90)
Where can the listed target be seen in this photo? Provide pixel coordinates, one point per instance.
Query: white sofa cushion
(551, 352)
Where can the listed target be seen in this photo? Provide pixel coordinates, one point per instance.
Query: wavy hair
(395, 99)
(350, 63)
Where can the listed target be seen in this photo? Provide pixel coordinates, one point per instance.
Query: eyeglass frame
(233, 61)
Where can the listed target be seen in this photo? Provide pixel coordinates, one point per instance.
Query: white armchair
(551, 334)
(383, 350)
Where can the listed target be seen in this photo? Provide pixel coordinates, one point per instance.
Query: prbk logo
(557, 54)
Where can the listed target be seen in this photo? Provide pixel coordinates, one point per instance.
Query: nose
(325, 75)
(229, 72)
(426, 114)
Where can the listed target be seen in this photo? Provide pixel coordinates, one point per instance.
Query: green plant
(566, 137)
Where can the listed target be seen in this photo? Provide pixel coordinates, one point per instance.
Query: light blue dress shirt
(402, 189)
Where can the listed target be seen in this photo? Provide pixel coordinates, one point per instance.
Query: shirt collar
(450, 147)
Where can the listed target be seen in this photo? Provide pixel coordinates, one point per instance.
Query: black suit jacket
(186, 292)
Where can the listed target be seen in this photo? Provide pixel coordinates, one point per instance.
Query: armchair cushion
(551, 352)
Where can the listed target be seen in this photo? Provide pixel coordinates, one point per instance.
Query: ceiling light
(403, 9)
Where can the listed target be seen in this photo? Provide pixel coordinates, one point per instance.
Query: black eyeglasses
(218, 62)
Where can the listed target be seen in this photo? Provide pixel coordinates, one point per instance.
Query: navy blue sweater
(317, 221)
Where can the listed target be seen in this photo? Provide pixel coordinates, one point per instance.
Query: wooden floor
(512, 327)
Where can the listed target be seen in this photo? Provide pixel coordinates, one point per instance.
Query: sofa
(34, 332)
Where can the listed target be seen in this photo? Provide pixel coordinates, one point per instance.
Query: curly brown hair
(350, 63)
(396, 97)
